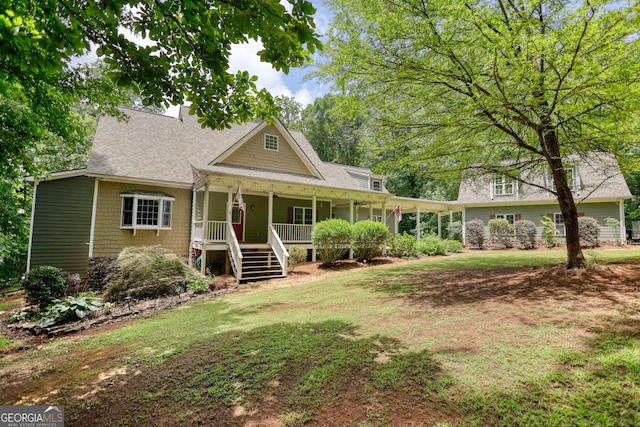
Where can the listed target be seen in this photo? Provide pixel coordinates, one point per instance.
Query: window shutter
(580, 214)
(492, 216)
(518, 217)
(551, 216)
(290, 215)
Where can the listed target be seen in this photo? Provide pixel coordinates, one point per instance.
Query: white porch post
(371, 211)
(418, 224)
(395, 221)
(270, 216)
(439, 226)
(94, 206)
(623, 227)
(205, 226)
(229, 204)
(464, 226)
(314, 218)
(384, 221)
(193, 226)
(351, 205)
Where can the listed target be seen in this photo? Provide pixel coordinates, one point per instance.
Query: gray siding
(599, 211)
(62, 223)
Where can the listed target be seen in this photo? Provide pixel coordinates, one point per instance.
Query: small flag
(398, 211)
(238, 199)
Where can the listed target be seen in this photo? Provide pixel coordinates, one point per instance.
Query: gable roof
(599, 177)
(169, 150)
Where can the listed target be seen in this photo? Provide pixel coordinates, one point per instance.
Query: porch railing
(294, 233)
(278, 248)
(235, 253)
(216, 231)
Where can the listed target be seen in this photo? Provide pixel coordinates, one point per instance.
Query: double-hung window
(502, 185)
(558, 219)
(146, 210)
(302, 216)
(572, 179)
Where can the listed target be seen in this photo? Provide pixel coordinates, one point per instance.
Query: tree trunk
(575, 258)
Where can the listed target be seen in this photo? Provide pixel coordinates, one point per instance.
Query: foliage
(199, 286)
(589, 230)
(69, 309)
(368, 238)
(332, 239)
(403, 246)
(44, 284)
(526, 233)
(431, 246)
(455, 231)
(615, 225)
(14, 230)
(501, 232)
(290, 111)
(297, 255)
(549, 232)
(453, 246)
(475, 233)
(494, 87)
(148, 272)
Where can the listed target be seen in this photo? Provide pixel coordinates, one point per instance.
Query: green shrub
(501, 232)
(297, 255)
(68, 309)
(526, 233)
(549, 232)
(615, 224)
(368, 238)
(453, 246)
(589, 231)
(199, 286)
(403, 246)
(455, 231)
(431, 246)
(332, 239)
(44, 284)
(475, 233)
(148, 272)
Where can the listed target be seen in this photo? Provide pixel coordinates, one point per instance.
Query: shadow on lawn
(610, 284)
(283, 373)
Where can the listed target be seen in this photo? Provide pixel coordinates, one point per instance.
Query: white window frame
(304, 215)
(378, 183)
(377, 218)
(558, 222)
(506, 217)
(573, 182)
(271, 144)
(502, 182)
(163, 202)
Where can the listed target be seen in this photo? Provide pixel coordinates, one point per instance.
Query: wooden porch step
(260, 264)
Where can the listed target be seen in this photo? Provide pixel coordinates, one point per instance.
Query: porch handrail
(294, 233)
(234, 251)
(216, 231)
(278, 248)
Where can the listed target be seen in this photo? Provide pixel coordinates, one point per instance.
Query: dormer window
(376, 185)
(502, 185)
(270, 142)
(572, 179)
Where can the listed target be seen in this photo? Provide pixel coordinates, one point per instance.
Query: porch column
(314, 215)
(351, 204)
(464, 226)
(371, 211)
(193, 226)
(439, 226)
(418, 223)
(205, 226)
(229, 204)
(623, 226)
(384, 221)
(395, 221)
(270, 217)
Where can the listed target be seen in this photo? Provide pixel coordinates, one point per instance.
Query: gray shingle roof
(599, 175)
(160, 148)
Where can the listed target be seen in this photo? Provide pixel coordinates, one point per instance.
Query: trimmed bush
(501, 232)
(297, 255)
(526, 233)
(403, 246)
(589, 231)
(455, 231)
(431, 246)
(453, 246)
(148, 272)
(44, 284)
(332, 239)
(475, 233)
(368, 238)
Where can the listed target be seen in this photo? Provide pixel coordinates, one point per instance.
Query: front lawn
(492, 337)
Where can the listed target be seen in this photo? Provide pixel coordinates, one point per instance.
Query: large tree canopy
(469, 85)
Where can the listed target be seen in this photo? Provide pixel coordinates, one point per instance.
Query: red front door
(237, 219)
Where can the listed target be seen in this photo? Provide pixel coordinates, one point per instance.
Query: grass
(368, 348)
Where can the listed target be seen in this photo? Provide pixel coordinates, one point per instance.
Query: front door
(237, 220)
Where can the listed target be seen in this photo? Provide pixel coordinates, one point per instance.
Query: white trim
(503, 185)
(304, 215)
(57, 175)
(141, 181)
(375, 180)
(134, 214)
(277, 142)
(33, 214)
(623, 226)
(94, 205)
